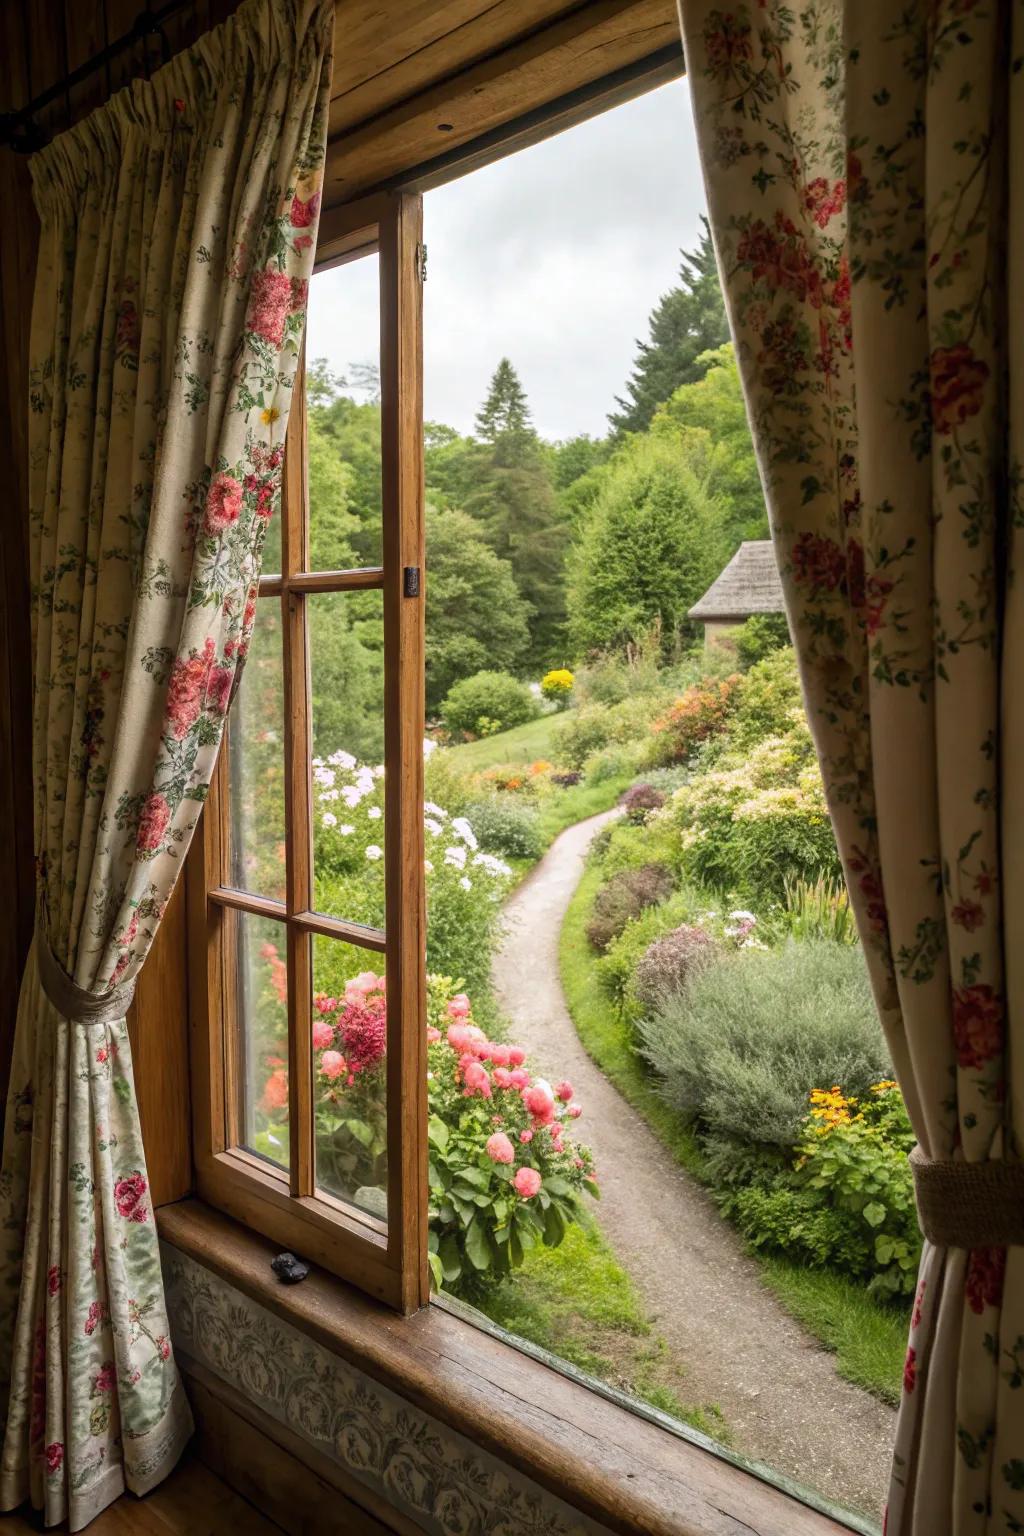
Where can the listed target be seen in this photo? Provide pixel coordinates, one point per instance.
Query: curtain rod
(25, 136)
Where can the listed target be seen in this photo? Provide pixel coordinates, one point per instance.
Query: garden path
(779, 1391)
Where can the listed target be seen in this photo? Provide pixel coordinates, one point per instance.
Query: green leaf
(451, 1259)
(436, 1271)
(437, 1131)
(478, 1248)
(875, 1213)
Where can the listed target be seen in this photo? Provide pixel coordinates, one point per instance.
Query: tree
(515, 505)
(475, 616)
(715, 403)
(649, 545)
(687, 322)
(504, 417)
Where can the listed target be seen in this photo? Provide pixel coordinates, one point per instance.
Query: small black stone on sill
(289, 1269)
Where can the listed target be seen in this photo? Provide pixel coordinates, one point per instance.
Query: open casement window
(272, 933)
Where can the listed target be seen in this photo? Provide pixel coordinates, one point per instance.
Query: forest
(539, 553)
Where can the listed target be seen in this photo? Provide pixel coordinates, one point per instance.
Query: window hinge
(421, 263)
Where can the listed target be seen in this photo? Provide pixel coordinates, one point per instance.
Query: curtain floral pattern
(178, 230)
(867, 213)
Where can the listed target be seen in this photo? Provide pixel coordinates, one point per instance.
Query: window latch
(421, 263)
(411, 581)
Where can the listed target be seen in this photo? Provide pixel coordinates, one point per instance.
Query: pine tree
(687, 321)
(518, 512)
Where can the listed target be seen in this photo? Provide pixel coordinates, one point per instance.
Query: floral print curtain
(178, 229)
(867, 211)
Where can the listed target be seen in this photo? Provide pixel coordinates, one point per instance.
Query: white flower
(352, 794)
(492, 865)
(433, 826)
(535, 689)
(430, 809)
(455, 856)
(342, 759)
(743, 917)
(346, 829)
(374, 853)
(378, 772)
(465, 831)
(428, 746)
(466, 883)
(329, 820)
(322, 775)
(428, 866)
(374, 813)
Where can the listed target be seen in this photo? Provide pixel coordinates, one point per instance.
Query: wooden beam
(605, 36)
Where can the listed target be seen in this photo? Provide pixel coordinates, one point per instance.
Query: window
(268, 941)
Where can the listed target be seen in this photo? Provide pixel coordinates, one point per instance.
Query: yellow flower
(270, 415)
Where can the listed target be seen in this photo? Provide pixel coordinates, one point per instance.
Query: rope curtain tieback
(969, 1205)
(74, 1002)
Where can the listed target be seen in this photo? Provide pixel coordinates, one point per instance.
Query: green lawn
(577, 1302)
(527, 743)
(869, 1340)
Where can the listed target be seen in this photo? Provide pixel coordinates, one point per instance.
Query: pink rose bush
(505, 1170)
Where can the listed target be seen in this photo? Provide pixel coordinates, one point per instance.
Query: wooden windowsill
(630, 1474)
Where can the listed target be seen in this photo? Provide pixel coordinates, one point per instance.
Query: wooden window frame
(387, 1259)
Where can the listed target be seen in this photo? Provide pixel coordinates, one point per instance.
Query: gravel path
(779, 1391)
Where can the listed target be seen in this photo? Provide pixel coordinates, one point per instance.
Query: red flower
(779, 255)
(54, 1456)
(957, 379)
(126, 338)
(842, 303)
(163, 1347)
(726, 42)
(269, 305)
(986, 1270)
(304, 212)
(106, 1379)
(218, 689)
(128, 1193)
(186, 689)
(156, 813)
(977, 1024)
(265, 501)
(223, 503)
(96, 1314)
(822, 201)
(968, 914)
(910, 1371)
(53, 1279)
(300, 292)
(363, 1029)
(915, 1321)
(818, 562)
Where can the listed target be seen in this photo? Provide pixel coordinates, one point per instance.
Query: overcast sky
(553, 257)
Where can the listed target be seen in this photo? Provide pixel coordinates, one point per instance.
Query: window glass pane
(349, 1074)
(261, 980)
(346, 642)
(272, 557)
(256, 763)
(343, 409)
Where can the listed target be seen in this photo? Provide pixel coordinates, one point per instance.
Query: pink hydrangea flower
(500, 1149)
(525, 1137)
(516, 1055)
(502, 1077)
(323, 1035)
(433, 1035)
(464, 1037)
(527, 1182)
(332, 1064)
(475, 1077)
(459, 1006)
(223, 503)
(519, 1078)
(498, 1054)
(563, 1091)
(575, 1110)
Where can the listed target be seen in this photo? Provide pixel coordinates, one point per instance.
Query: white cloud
(553, 257)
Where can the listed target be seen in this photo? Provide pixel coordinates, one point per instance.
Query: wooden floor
(192, 1502)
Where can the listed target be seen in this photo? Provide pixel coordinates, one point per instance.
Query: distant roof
(749, 584)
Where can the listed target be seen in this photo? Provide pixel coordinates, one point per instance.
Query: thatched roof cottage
(749, 584)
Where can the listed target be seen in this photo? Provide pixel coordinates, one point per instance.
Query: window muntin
(270, 948)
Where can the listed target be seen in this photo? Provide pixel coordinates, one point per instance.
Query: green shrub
(625, 897)
(847, 1202)
(616, 969)
(767, 700)
(762, 634)
(609, 763)
(487, 702)
(740, 1049)
(506, 825)
(819, 910)
(639, 801)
